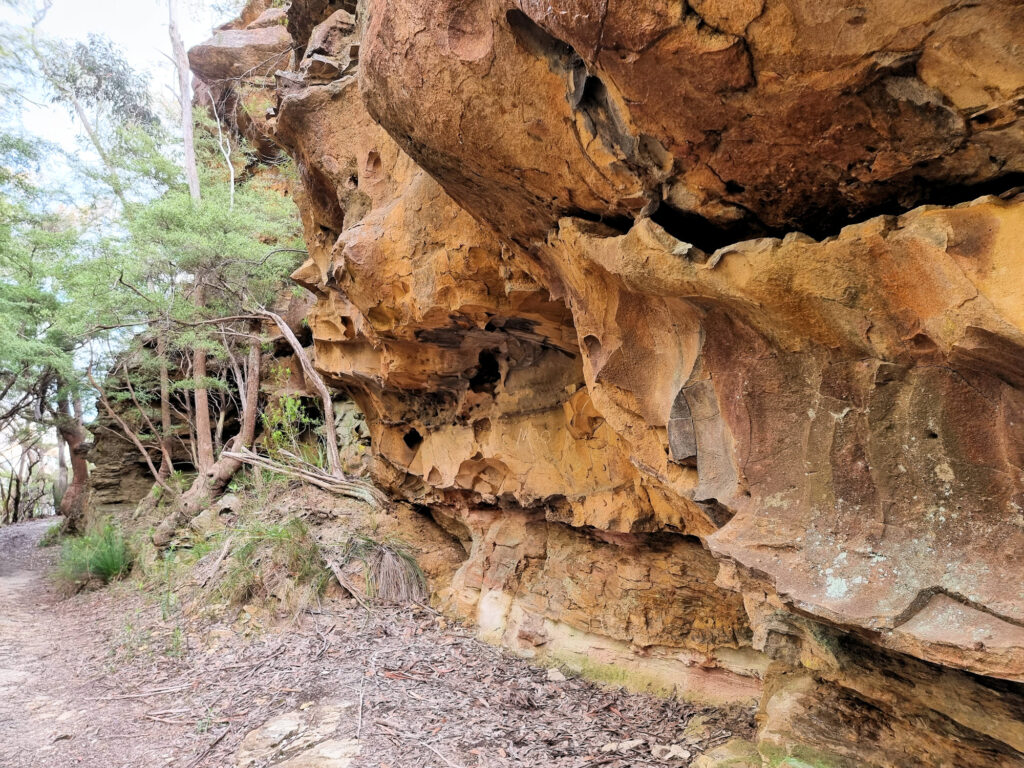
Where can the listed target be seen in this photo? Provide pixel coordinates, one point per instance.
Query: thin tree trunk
(204, 444)
(8, 491)
(166, 467)
(166, 461)
(225, 149)
(331, 436)
(165, 456)
(90, 131)
(73, 504)
(251, 401)
(204, 434)
(211, 483)
(184, 100)
(60, 485)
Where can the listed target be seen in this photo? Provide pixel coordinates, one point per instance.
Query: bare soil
(109, 679)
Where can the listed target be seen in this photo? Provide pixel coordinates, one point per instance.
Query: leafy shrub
(288, 426)
(53, 535)
(270, 561)
(102, 554)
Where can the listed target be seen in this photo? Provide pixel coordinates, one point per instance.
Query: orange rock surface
(700, 326)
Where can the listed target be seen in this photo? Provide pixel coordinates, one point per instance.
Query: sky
(139, 28)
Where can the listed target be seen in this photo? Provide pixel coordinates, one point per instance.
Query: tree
(37, 340)
(152, 271)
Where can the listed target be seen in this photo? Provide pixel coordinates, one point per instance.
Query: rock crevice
(610, 284)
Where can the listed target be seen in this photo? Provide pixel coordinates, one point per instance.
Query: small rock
(263, 741)
(631, 744)
(697, 729)
(736, 753)
(555, 676)
(623, 746)
(336, 753)
(669, 752)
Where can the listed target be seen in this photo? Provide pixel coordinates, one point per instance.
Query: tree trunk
(204, 434)
(311, 374)
(210, 484)
(184, 100)
(60, 485)
(114, 179)
(166, 462)
(74, 503)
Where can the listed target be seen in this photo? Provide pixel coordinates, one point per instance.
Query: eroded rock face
(678, 457)
(761, 114)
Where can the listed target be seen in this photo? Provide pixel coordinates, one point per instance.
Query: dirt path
(114, 679)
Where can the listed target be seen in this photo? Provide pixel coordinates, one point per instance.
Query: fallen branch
(220, 559)
(344, 582)
(145, 694)
(312, 375)
(202, 755)
(353, 489)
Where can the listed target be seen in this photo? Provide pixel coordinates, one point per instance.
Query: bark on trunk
(60, 485)
(331, 436)
(166, 462)
(210, 484)
(74, 503)
(204, 434)
(184, 100)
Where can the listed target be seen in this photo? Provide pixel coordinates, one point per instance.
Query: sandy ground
(112, 679)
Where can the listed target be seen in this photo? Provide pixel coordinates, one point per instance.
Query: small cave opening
(412, 438)
(560, 55)
(695, 229)
(372, 166)
(488, 373)
(619, 223)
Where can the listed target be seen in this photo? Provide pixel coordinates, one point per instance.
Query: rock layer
(680, 454)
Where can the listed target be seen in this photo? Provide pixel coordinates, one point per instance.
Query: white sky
(139, 28)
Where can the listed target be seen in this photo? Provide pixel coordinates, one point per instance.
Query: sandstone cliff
(699, 325)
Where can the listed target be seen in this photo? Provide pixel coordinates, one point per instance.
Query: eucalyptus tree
(148, 269)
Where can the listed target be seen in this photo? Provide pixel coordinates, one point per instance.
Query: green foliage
(286, 421)
(96, 75)
(268, 557)
(102, 554)
(53, 536)
(96, 267)
(35, 340)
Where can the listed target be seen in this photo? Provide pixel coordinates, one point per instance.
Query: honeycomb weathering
(700, 326)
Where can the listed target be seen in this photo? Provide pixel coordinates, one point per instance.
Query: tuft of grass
(53, 535)
(175, 648)
(270, 562)
(391, 571)
(102, 554)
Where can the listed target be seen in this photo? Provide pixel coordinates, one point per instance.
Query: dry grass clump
(390, 571)
(272, 562)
